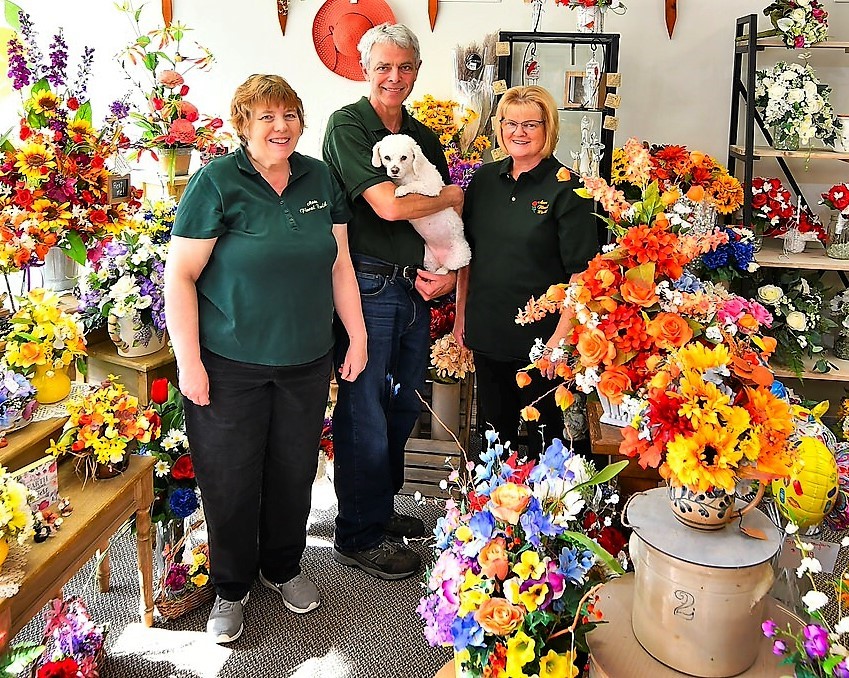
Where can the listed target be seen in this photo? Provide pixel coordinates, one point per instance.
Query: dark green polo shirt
(265, 296)
(351, 133)
(525, 235)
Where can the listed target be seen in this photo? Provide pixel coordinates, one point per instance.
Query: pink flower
(760, 314)
(182, 132)
(170, 79)
(187, 110)
(732, 310)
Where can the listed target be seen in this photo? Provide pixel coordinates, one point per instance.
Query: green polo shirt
(265, 295)
(352, 132)
(525, 235)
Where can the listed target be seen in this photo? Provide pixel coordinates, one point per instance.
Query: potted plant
(103, 427)
(43, 342)
(124, 287)
(16, 520)
(836, 198)
(515, 572)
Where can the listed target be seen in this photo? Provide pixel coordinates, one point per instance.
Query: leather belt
(390, 271)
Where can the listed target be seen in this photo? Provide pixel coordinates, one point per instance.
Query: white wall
(674, 91)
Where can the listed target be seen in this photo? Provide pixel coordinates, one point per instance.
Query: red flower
(73, 103)
(159, 391)
(477, 501)
(184, 90)
(182, 468)
(66, 668)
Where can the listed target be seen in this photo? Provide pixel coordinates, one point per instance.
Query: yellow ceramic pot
(51, 384)
(4, 551)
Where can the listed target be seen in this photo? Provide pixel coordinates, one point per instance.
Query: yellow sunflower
(703, 402)
(695, 356)
(83, 128)
(618, 172)
(35, 160)
(44, 102)
(706, 459)
(50, 215)
(727, 193)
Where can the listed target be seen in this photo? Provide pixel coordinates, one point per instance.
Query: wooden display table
(29, 444)
(605, 439)
(137, 374)
(99, 509)
(615, 652)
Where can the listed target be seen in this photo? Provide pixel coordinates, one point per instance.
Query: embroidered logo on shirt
(539, 207)
(313, 205)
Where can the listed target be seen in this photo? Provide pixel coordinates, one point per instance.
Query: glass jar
(838, 236)
(783, 140)
(841, 346)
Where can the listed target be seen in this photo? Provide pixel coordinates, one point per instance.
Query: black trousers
(255, 453)
(500, 400)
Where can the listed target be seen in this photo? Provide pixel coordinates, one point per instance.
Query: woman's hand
(433, 285)
(355, 361)
(194, 383)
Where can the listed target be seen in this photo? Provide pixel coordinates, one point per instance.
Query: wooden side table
(137, 374)
(30, 443)
(605, 439)
(100, 508)
(616, 653)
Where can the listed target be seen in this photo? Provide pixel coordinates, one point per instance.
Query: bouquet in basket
(185, 584)
(512, 587)
(73, 641)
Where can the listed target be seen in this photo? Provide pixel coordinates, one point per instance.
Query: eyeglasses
(528, 125)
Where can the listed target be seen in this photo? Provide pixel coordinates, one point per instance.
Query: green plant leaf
(607, 473)
(19, 657)
(84, 112)
(13, 15)
(74, 247)
(599, 551)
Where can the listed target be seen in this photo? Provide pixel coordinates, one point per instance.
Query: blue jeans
(375, 414)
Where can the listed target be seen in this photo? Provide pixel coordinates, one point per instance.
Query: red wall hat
(337, 29)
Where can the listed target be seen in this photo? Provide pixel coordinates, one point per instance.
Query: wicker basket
(171, 608)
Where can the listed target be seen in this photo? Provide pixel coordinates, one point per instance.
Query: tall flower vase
(590, 19)
(445, 402)
(175, 162)
(59, 272)
(51, 384)
(783, 140)
(134, 338)
(170, 535)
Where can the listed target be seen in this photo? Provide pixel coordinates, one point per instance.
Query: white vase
(134, 338)
(445, 402)
(590, 19)
(613, 414)
(59, 272)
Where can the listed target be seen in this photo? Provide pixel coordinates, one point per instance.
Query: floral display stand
(137, 374)
(614, 651)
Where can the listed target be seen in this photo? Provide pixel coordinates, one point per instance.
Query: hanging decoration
(167, 12)
(671, 15)
(282, 14)
(432, 11)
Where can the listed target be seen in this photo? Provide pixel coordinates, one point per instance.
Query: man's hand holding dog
(454, 195)
(433, 285)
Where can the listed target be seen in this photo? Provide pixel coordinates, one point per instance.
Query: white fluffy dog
(445, 247)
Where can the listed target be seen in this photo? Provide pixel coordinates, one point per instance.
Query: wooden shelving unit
(759, 152)
(137, 374)
(813, 258)
(774, 41)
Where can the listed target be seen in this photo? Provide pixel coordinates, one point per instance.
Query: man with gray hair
(375, 414)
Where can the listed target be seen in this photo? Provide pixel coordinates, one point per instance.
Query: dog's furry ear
(375, 155)
(420, 162)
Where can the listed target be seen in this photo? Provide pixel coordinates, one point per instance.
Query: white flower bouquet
(801, 23)
(795, 103)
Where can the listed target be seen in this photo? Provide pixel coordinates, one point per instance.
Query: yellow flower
(200, 580)
(464, 533)
(706, 459)
(45, 102)
(53, 216)
(82, 128)
(533, 596)
(35, 160)
(703, 402)
(555, 665)
(529, 566)
(696, 356)
(520, 651)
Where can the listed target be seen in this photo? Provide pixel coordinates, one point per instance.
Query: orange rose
(31, 353)
(507, 501)
(638, 292)
(613, 383)
(498, 617)
(595, 348)
(669, 330)
(748, 322)
(696, 193)
(493, 559)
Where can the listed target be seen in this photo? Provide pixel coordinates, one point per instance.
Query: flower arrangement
(464, 155)
(167, 120)
(449, 360)
(53, 181)
(800, 318)
(183, 578)
(839, 308)
(796, 104)
(709, 418)
(73, 641)
(801, 23)
(43, 334)
(604, 4)
(16, 520)
(635, 304)
(17, 400)
(102, 425)
(732, 259)
(772, 206)
(837, 198)
(818, 650)
(174, 483)
(693, 174)
(513, 582)
(126, 281)
(155, 219)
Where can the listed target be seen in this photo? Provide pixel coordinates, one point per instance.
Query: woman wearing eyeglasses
(528, 230)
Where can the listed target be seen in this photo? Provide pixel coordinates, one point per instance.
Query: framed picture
(575, 97)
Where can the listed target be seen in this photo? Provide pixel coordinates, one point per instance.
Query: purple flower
(769, 627)
(816, 641)
(30, 40)
(83, 71)
(19, 71)
(779, 647)
(55, 72)
(120, 109)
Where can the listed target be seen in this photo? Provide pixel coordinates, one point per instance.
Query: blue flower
(552, 464)
(688, 283)
(482, 524)
(574, 565)
(717, 258)
(183, 502)
(466, 631)
(536, 522)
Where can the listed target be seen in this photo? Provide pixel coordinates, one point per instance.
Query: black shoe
(400, 526)
(384, 561)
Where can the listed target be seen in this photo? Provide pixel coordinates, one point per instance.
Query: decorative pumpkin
(809, 494)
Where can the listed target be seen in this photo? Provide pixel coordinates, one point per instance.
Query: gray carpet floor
(365, 627)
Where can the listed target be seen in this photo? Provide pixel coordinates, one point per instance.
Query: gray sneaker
(227, 619)
(299, 594)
